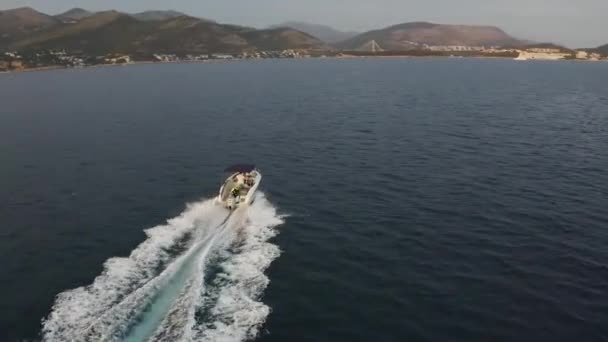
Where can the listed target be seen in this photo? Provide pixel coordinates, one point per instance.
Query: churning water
(427, 200)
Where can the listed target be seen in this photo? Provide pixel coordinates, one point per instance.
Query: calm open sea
(402, 200)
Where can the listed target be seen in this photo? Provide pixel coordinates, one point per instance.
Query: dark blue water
(428, 199)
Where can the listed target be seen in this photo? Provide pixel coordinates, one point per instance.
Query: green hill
(18, 23)
(115, 32)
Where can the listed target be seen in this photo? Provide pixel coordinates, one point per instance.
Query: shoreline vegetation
(347, 55)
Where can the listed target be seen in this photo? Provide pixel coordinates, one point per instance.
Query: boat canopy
(243, 168)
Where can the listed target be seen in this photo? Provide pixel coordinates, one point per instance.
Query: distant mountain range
(76, 14)
(79, 30)
(411, 35)
(325, 33)
(149, 32)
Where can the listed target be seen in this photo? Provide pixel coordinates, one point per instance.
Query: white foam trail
(176, 280)
(77, 314)
(237, 313)
(131, 288)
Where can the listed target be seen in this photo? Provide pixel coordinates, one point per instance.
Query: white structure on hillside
(371, 46)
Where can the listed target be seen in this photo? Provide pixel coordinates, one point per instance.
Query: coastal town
(77, 38)
(45, 59)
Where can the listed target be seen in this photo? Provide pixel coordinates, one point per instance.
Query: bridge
(371, 46)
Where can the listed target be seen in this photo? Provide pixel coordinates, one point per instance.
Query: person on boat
(235, 192)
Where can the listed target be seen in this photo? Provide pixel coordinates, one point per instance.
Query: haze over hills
(411, 35)
(279, 38)
(157, 15)
(325, 33)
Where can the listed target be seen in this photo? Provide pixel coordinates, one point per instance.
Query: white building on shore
(545, 54)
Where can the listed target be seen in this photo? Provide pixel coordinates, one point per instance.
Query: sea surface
(402, 200)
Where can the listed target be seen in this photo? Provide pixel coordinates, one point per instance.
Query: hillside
(325, 33)
(410, 35)
(21, 22)
(279, 38)
(59, 36)
(603, 49)
(75, 14)
(115, 32)
(24, 18)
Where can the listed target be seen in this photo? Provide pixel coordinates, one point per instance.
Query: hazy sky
(576, 23)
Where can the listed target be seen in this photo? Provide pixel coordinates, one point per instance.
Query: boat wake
(197, 278)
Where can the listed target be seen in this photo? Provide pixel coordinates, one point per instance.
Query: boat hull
(246, 194)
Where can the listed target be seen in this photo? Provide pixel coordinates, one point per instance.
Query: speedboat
(240, 187)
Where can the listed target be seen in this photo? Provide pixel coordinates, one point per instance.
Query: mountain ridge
(21, 22)
(411, 35)
(24, 17)
(26, 28)
(115, 32)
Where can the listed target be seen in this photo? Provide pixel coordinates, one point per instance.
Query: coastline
(52, 67)
(55, 67)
